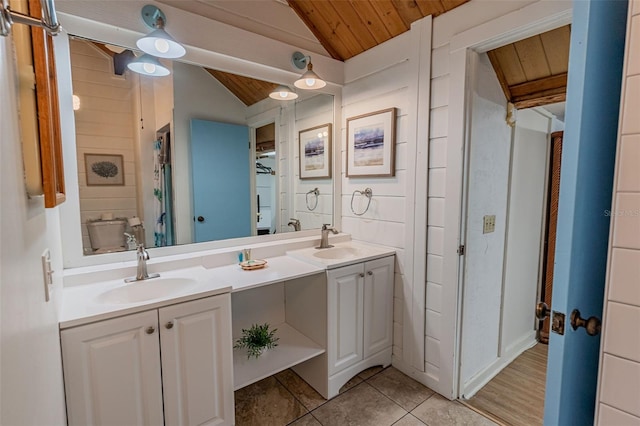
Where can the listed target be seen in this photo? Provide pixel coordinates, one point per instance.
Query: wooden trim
(540, 85)
(493, 58)
(48, 112)
(540, 100)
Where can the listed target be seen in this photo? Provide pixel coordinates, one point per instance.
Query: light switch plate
(489, 224)
(47, 274)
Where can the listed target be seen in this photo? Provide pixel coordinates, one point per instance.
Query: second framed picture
(315, 152)
(371, 144)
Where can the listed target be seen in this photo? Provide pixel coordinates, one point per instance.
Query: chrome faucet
(295, 223)
(141, 274)
(324, 236)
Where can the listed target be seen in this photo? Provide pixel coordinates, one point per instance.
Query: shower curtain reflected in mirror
(163, 206)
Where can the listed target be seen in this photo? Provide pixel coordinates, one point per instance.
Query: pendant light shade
(148, 65)
(158, 42)
(283, 93)
(310, 80)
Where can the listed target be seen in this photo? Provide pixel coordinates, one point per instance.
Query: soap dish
(249, 265)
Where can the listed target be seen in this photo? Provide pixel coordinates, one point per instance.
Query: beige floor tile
(300, 389)
(408, 420)
(370, 372)
(400, 388)
(439, 411)
(266, 403)
(360, 406)
(307, 420)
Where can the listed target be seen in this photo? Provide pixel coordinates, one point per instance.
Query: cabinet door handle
(370, 273)
(150, 330)
(361, 275)
(169, 325)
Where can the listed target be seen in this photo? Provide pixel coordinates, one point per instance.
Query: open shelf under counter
(293, 348)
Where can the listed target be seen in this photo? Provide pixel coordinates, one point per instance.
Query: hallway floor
(375, 397)
(516, 395)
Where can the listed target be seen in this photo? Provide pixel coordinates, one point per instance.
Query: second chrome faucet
(141, 274)
(324, 236)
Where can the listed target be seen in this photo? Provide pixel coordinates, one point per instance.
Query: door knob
(369, 272)
(200, 219)
(150, 330)
(542, 311)
(361, 275)
(592, 324)
(169, 325)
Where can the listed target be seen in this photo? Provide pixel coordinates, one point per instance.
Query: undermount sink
(141, 291)
(336, 253)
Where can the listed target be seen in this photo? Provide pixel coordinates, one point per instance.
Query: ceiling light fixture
(158, 42)
(309, 80)
(148, 65)
(283, 93)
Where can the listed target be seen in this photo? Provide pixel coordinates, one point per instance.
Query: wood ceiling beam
(539, 86)
(541, 100)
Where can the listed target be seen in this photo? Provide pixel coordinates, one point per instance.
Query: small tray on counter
(249, 265)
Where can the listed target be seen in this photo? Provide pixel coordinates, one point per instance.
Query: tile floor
(375, 397)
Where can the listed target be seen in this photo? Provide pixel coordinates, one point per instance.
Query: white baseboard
(477, 382)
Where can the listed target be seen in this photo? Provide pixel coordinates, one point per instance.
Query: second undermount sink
(337, 253)
(141, 291)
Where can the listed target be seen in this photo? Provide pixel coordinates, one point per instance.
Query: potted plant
(257, 339)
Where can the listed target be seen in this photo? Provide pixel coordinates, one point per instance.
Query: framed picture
(104, 169)
(315, 152)
(371, 144)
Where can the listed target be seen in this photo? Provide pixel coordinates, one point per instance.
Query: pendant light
(148, 65)
(158, 42)
(309, 80)
(283, 93)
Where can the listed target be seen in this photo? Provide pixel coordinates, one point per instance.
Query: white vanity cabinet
(359, 318)
(123, 371)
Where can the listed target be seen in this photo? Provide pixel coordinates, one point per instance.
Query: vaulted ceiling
(532, 71)
(348, 28)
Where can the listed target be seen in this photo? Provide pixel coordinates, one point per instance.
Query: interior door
(593, 97)
(221, 180)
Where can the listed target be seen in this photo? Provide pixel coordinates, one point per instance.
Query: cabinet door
(112, 372)
(197, 363)
(378, 305)
(345, 297)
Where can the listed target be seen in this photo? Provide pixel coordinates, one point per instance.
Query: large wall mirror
(190, 157)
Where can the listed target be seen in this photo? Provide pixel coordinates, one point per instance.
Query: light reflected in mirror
(199, 155)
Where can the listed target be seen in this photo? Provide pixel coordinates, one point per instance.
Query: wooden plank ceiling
(533, 71)
(347, 28)
(248, 90)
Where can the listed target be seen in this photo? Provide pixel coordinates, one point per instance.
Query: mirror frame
(264, 59)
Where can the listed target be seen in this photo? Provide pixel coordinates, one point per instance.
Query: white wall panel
(619, 376)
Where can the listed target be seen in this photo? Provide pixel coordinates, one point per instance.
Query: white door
(197, 363)
(112, 372)
(378, 305)
(345, 299)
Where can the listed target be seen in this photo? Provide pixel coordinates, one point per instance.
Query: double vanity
(160, 351)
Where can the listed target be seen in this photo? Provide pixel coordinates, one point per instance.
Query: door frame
(526, 22)
(267, 117)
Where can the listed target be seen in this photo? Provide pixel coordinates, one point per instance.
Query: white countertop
(362, 253)
(81, 303)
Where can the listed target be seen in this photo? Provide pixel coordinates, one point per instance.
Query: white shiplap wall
(104, 125)
(619, 384)
(310, 113)
(384, 222)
